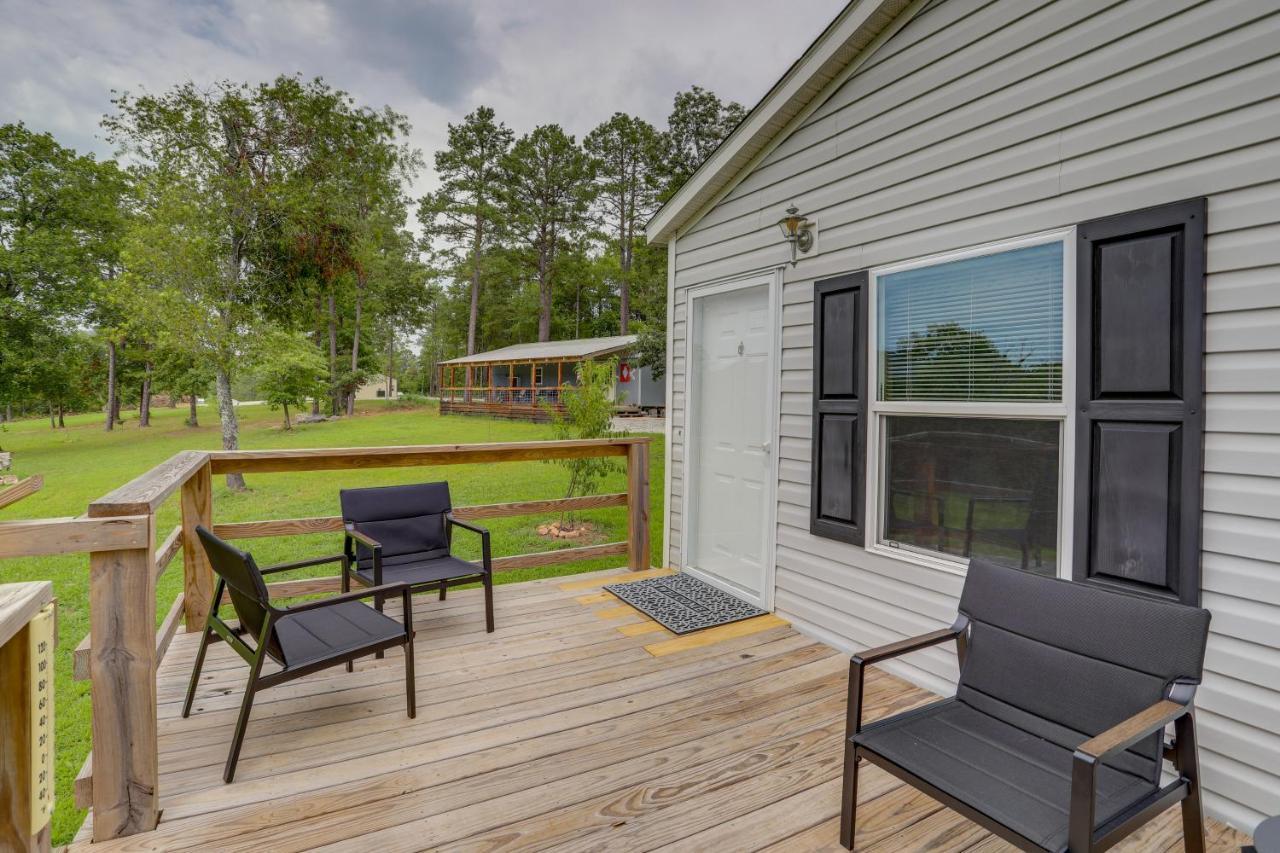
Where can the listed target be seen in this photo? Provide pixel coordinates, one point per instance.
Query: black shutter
(1139, 430)
(837, 500)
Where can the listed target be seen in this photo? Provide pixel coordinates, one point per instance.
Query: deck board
(559, 731)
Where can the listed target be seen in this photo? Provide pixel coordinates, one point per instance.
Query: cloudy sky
(569, 61)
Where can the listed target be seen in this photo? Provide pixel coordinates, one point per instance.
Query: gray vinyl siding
(984, 120)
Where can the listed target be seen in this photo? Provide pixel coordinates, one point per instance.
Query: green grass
(83, 462)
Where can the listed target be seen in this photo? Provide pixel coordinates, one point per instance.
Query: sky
(574, 62)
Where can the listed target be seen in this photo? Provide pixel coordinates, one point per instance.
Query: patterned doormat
(682, 603)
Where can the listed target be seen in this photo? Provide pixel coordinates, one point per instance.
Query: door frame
(772, 279)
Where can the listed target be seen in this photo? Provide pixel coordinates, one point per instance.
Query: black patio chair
(403, 534)
(1054, 738)
(303, 638)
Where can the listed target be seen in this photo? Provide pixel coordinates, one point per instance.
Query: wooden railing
(120, 780)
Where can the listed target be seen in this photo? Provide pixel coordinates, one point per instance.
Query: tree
(698, 123)
(290, 370)
(463, 214)
(624, 152)
(225, 171)
(180, 373)
(61, 221)
(588, 413)
(548, 188)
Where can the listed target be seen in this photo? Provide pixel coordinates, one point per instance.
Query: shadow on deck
(576, 725)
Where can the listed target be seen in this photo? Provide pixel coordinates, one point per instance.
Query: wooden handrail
(145, 493)
(23, 488)
(347, 458)
(333, 523)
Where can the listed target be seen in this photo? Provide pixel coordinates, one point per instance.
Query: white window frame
(1062, 411)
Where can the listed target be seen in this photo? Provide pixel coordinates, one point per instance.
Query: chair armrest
(474, 528)
(363, 538)
(354, 595)
(301, 564)
(860, 661)
(1126, 734)
(1084, 764)
(902, 647)
(485, 558)
(351, 533)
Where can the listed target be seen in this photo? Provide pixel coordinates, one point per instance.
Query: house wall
(982, 120)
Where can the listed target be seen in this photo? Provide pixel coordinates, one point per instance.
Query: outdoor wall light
(796, 230)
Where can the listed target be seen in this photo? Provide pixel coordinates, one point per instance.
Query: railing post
(122, 664)
(197, 508)
(638, 555)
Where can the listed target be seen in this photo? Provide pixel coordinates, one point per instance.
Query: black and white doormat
(682, 603)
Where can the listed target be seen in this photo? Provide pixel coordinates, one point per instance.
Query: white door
(729, 436)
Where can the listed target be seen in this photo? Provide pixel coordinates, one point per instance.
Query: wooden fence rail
(120, 780)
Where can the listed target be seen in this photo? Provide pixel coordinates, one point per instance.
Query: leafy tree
(180, 373)
(625, 155)
(651, 350)
(229, 172)
(290, 370)
(463, 214)
(698, 123)
(548, 188)
(61, 222)
(588, 413)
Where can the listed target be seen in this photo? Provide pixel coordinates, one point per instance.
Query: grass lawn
(83, 462)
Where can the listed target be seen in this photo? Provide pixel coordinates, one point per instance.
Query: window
(968, 415)
(537, 374)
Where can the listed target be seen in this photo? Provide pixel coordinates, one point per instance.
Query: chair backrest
(1066, 660)
(247, 589)
(404, 519)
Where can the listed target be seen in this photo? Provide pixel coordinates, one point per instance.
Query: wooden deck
(577, 725)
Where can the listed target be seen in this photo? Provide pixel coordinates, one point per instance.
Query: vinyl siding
(980, 121)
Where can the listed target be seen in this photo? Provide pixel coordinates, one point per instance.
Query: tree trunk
(53, 420)
(112, 394)
(624, 301)
(287, 425)
(193, 419)
(355, 340)
(544, 298)
(62, 423)
(333, 352)
(391, 364)
(230, 426)
(144, 404)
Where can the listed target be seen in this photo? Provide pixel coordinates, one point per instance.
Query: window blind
(987, 328)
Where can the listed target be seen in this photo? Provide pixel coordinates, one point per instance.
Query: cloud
(573, 62)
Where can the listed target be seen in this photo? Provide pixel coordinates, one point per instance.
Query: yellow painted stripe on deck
(597, 598)
(617, 612)
(635, 629)
(710, 636)
(593, 583)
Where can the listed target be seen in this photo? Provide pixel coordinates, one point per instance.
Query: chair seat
(414, 570)
(330, 632)
(1015, 777)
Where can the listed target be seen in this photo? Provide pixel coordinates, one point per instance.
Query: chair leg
(442, 589)
(346, 587)
(410, 685)
(377, 605)
(488, 603)
(242, 722)
(195, 673)
(849, 796)
(1188, 764)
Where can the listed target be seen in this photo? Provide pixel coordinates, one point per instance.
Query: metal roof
(551, 350)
